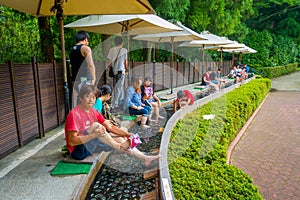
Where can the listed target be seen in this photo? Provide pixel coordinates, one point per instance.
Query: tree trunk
(46, 39)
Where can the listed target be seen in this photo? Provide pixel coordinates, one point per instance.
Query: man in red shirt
(87, 131)
(184, 98)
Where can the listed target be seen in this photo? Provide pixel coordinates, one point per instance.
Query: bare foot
(149, 159)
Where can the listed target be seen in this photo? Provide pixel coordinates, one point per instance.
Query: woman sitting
(134, 102)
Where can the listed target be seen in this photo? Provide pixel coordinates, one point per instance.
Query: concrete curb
(242, 131)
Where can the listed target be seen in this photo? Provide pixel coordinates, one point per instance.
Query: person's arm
(205, 80)
(87, 53)
(74, 139)
(115, 130)
(126, 64)
(126, 60)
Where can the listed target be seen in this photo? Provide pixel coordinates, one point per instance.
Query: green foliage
(171, 9)
(198, 148)
(273, 72)
(19, 36)
(219, 17)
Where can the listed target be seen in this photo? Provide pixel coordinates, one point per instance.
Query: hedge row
(198, 147)
(273, 72)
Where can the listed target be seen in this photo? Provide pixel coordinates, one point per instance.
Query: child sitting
(149, 98)
(184, 98)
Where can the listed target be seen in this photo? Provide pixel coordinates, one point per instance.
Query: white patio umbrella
(117, 24)
(61, 8)
(244, 50)
(221, 48)
(177, 36)
(212, 40)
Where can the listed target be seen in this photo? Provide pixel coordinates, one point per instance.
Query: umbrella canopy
(212, 40)
(244, 50)
(177, 36)
(116, 24)
(80, 7)
(221, 48)
(233, 45)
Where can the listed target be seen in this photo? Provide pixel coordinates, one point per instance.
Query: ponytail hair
(104, 90)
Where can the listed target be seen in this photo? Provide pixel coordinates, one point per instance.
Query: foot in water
(149, 159)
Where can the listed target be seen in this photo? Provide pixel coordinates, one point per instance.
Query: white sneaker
(144, 126)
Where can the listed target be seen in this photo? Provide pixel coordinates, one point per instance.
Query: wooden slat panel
(8, 130)
(26, 101)
(60, 84)
(47, 90)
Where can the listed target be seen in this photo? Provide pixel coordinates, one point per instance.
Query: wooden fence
(31, 103)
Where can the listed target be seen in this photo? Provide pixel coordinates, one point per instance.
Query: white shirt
(120, 62)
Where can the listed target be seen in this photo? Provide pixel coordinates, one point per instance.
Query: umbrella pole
(202, 59)
(59, 16)
(221, 57)
(233, 59)
(128, 46)
(172, 63)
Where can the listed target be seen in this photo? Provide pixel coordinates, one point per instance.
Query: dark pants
(145, 112)
(82, 151)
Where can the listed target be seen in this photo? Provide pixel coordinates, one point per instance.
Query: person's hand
(159, 103)
(92, 82)
(140, 108)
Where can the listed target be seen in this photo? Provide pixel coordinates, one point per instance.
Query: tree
(46, 38)
(222, 17)
(171, 9)
(19, 36)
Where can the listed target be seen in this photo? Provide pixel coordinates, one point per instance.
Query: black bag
(111, 72)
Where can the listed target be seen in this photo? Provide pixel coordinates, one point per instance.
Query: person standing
(82, 65)
(118, 57)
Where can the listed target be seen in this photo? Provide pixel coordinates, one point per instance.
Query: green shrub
(273, 72)
(198, 147)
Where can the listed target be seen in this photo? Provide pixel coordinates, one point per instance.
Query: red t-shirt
(189, 95)
(79, 120)
(206, 75)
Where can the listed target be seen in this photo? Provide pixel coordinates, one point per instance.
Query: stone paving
(269, 151)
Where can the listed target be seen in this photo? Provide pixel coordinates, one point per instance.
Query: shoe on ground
(144, 126)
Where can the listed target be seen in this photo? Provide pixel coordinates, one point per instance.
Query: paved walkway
(269, 151)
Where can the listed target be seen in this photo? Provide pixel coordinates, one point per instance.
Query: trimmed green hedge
(273, 72)
(198, 147)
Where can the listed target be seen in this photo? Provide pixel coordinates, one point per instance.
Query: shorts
(82, 151)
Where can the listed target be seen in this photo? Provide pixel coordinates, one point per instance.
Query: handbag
(111, 70)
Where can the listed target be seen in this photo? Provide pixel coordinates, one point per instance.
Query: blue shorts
(215, 82)
(82, 151)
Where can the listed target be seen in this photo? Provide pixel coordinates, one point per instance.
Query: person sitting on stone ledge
(206, 79)
(86, 131)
